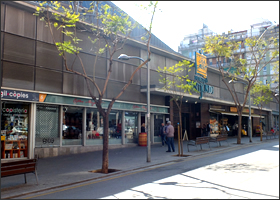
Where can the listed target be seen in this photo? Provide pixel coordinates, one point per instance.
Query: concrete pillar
(32, 126)
(270, 120)
(61, 116)
(84, 126)
(123, 127)
(152, 128)
(139, 123)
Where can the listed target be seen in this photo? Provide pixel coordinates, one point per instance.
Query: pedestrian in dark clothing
(204, 130)
(208, 129)
(162, 135)
(143, 128)
(170, 137)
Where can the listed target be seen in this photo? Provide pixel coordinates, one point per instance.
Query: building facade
(47, 111)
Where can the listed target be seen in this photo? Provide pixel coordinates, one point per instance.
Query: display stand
(13, 148)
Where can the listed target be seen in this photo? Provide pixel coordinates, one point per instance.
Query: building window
(47, 126)
(72, 125)
(95, 124)
(14, 130)
(190, 54)
(131, 122)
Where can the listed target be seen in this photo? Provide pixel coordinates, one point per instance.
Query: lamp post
(249, 119)
(126, 57)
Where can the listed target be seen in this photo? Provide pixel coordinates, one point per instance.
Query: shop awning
(235, 114)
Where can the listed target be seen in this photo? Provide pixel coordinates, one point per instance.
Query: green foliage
(262, 94)
(112, 26)
(177, 83)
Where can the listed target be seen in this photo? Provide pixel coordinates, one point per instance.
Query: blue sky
(179, 18)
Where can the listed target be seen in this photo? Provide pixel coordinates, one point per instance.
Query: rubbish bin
(142, 139)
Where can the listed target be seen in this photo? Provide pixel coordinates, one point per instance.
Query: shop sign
(217, 107)
(201, 75)
(245, 110)
(19, 95)
(89, 102)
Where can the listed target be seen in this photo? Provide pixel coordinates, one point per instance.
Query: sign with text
(245, 110)
(19, 95)
(200, 65)
(201, 75)
(49, 98)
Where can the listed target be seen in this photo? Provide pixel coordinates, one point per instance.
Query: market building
(47, 111)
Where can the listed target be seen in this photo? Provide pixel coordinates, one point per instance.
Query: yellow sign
(201, 65)
(245, 110)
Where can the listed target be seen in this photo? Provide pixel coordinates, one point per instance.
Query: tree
(177, 84)
(109, 34)
(262, 95)
(240, 69)
(275, 80)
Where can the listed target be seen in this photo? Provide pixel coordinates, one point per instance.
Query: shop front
(16, 123)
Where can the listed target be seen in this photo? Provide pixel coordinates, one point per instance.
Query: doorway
(186, 124)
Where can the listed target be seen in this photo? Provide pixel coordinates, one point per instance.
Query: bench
(269, 134)
(276, 134)
(219, 138)
(198, 141)
(19, 167)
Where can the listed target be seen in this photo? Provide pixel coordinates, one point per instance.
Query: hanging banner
(200, 65)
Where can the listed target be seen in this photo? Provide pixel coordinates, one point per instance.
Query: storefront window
(214, 124)
(14, 130)
(158, 119)
(95, 124)
(276, 123)
(131, 123)
(47, 126)
(72, 125)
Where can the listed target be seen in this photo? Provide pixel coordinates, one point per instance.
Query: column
(139, 123)
(84, 126)
(152, 128)
(123, 127)
(31, 137)
(61, 123)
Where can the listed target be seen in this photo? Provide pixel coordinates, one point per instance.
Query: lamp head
(123, 57)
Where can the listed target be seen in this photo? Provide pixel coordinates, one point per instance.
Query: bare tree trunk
(179, 143)
(181, 133)
(239, 125)
(105, 158)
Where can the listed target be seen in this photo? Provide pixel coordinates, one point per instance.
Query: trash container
(142, 139)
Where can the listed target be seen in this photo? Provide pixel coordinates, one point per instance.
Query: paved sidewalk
(63, 170)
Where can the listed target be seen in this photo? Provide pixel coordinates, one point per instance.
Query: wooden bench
(19, 167)
(219, 138)
(198, 141)
(269, 134)
(276, 134)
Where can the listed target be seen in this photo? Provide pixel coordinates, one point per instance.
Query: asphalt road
(251, 172)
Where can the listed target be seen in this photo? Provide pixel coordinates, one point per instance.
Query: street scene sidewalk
(61, 171)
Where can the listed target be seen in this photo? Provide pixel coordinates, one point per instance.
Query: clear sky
(179, 18)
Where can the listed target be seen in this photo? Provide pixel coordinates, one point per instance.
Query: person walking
(170, 137)
(161, 134)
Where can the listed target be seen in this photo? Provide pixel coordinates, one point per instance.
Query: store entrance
(186, 124)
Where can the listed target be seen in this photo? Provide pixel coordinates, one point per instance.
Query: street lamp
(249, 120)
(126, 57)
